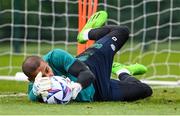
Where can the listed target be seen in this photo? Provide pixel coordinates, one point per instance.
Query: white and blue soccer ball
(60, 92)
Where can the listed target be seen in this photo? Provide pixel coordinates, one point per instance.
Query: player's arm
(65, 62)
(80, 70)
(84, 77)
(62, 60)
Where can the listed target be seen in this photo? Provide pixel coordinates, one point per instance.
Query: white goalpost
(33, 27)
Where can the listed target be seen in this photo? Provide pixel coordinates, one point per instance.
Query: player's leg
(97, 33)
(115, 39)
(110, 40)
(128, 89)
(99, 58)
(133, 69)
(96, 20)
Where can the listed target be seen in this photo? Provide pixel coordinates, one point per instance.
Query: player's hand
(41, 85)
(76, 88)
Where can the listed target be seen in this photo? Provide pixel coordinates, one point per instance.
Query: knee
(123, 30)
(147, 90)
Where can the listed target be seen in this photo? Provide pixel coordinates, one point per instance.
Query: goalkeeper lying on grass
(91, 70)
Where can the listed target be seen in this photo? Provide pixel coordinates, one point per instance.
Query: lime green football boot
(134, 69)
(96, 20)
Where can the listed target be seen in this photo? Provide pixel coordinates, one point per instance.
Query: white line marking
(13, 95)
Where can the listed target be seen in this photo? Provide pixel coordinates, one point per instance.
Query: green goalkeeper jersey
(60, 61)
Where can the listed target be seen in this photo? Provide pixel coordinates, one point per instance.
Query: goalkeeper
(91, 70)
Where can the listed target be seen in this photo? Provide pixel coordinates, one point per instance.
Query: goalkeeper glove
(41, 85)
(75, 87)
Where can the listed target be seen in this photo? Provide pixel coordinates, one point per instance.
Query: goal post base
(19, 76)
(161, 83)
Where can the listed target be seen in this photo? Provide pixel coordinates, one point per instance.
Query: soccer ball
(60, 92)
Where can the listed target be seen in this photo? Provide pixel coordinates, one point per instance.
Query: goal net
(155, 35)
(34, 27)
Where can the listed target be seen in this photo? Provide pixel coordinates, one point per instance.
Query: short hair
(30, 65)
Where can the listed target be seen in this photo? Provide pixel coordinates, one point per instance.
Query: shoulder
(56, 53)
(59, 58)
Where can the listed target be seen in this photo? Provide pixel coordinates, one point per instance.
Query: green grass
(165, 101)
(157, 62)
(10, 64)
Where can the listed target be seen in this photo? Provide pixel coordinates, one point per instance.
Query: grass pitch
(164, 101)
(13, 100)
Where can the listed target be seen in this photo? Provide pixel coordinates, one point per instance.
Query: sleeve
(82, 72)
(31, 95)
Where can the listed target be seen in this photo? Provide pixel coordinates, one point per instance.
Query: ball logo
(60, 92)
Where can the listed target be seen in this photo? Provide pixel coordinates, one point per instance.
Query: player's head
(33, 65)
